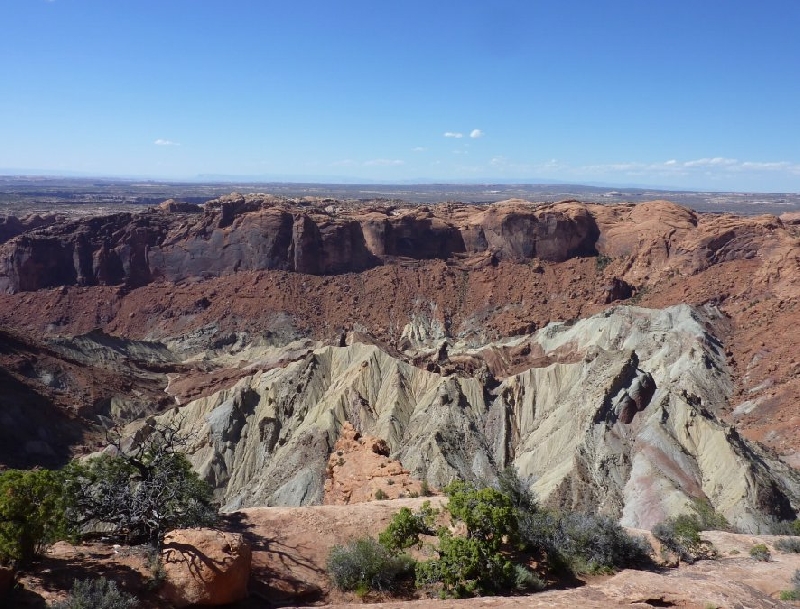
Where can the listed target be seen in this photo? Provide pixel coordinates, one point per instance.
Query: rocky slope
(625, 424)
(241, 310)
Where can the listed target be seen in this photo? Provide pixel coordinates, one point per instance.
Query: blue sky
(685, 94)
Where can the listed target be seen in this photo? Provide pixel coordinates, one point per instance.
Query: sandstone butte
(624, 358)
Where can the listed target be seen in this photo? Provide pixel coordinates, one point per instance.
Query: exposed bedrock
(258, 233)
(625, 424)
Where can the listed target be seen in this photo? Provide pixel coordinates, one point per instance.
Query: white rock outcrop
(624, 424)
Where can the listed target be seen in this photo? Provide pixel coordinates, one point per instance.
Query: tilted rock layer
(626, 428)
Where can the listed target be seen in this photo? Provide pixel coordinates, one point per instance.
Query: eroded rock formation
(627, 427)
(250, 233)
(439, 329)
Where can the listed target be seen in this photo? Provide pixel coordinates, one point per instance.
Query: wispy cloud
(384, 163)
(717, 161)
(732, 173)
(162, 142)
(419, 149)
(454, 134)
(476, 133)
(344, 163)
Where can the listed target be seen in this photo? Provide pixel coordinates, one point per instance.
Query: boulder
(204, 567)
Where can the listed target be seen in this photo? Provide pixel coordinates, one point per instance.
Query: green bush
(708, 518)
(526, 580)
(487, 513)
(589, 543)
(474, 563)
(380, 495)
(502, 529)
(681, 534)
(789, 545)
(31, 514)
(97, 594)
(787, 527)
(364, 564)
(601, 262)
(466, 566)
(582, 543)
(141, 493)
(760, 552)
(405, 528)
(794, 593)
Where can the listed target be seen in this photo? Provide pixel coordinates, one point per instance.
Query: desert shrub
(588, 543)
(31, 513)
(424, 489)
(526, 580)
(466, 566)
(504, 526)
(364, 564)
(787, 527)
(602, 261)
(97, 594)
(141, 493)
(790, 545)
(474, 563)
(522, 498)
(380, 495)
(681, 534)
(760, 552)
(794, 593)
(487, 513)
(708, 518)
(405, 528)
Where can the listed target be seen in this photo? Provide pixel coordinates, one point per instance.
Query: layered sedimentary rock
(619, 412)
(625, 424)
(258, 233)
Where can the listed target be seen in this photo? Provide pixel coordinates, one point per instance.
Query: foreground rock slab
(205, 567)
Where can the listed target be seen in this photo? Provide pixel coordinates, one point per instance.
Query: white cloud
(162, 142)
(476, 133)
(419, 149)
(384, 163)
(716, 168)
(717, 161)
(767, 166)
(454, 134)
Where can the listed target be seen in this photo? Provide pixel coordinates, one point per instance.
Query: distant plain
(22, 195)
